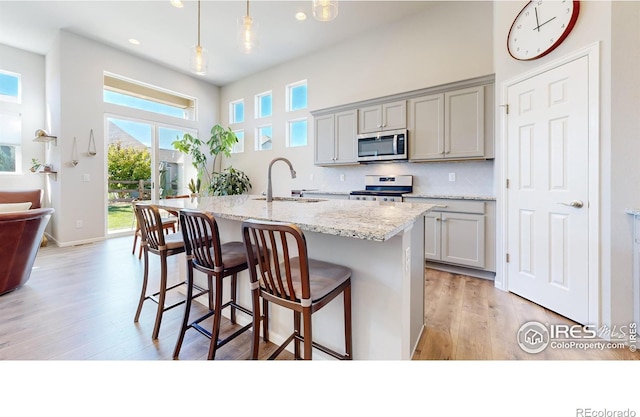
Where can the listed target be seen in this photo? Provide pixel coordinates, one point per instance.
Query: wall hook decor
(92, 144)
(74, 152)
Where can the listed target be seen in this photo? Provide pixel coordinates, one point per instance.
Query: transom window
(238, 147)
(236, 112)
(297, 96)
(140, 96)
(264, 105)
(263, 138)
(297, 132)
(10, 87)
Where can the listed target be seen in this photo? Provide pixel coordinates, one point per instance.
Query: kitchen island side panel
(387, 293)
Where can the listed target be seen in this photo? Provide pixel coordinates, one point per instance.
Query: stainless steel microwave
(382, 146)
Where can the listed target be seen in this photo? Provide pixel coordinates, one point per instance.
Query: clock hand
(537, 22)
(538, 27)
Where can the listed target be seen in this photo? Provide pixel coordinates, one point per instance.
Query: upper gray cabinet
(335, 138)
(455, 124)
(386, 116)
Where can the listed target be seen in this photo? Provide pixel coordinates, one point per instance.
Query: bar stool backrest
(201, 239)
(150, 223)
(272, 268)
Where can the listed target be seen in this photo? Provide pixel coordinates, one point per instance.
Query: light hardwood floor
(80, 302)
(468, 318)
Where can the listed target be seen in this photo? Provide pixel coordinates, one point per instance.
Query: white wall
(614, 25)
(31, 68)
(75, 68)
(425, 50)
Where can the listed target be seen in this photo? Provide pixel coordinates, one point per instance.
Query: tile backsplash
(471, 177)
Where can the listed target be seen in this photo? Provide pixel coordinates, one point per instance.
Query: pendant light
(198, 57)
(247, 33)
(325, 10)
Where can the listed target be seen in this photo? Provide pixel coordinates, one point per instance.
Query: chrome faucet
(293, 175)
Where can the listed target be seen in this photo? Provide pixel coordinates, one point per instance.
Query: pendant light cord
(198, 22)
(247, 7)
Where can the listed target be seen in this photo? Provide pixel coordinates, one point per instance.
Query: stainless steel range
(384, 188)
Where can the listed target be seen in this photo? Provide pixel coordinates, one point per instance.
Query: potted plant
(229, 181)
(35, 165)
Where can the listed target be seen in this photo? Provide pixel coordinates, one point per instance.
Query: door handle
(574, 204)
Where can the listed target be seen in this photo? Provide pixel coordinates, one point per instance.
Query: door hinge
(507, 183)
(507, 258)
(506, 107)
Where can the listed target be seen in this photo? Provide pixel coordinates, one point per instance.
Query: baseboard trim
(454, 269)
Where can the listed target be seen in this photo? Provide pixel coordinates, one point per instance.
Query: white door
(548, 191)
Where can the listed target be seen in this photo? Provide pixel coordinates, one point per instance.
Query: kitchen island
(383, 244)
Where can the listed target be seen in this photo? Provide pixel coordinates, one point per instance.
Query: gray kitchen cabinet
(460, 232)
(335, 138)
(385, 116)
(452, 125)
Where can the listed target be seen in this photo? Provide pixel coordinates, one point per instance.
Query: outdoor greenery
(121, 216)
(230, 181)
(127, 164)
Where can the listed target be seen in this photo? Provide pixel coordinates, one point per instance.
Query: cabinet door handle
(441, 205)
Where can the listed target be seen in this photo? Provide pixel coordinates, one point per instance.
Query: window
(142, 97)
(263, 138)
(297, 132)
(10, 87)
(297, 96)
(10, 143)
(263, 105)
(236, 112)
(238, 147)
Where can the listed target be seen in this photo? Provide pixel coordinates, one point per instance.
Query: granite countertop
(367, 220)
(415, 195)
(313, 192)
(451, 197)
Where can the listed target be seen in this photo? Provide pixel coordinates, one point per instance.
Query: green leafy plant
(194, 186)
(230, 181)
(35, 164)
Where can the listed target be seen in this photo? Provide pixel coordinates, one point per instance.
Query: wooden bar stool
(156, 242)
(168, 223)
(206, 254)
(283, 274)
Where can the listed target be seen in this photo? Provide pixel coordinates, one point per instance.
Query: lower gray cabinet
(460, 232)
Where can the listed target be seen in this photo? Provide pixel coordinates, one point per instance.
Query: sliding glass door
(142, 165)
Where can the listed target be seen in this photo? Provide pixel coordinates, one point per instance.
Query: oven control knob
(385, 199)
(373, 198)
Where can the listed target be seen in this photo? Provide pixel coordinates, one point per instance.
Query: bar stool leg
(306, 320)
(347, 323)
(234, 292)
(265, 320)
(213, 345)
(162, 295)
(143, 293)
(296, 330)
(257, 318)
(187, 310)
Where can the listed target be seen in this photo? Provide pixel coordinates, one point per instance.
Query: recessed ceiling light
(177, 3)
(301, 16)
(133, 41)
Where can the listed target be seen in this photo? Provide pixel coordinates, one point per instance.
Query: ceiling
(166, 33)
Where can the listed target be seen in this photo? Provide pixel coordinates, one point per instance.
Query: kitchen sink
(294, 199)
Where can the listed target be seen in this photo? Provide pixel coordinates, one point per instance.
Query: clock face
(540, 27)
